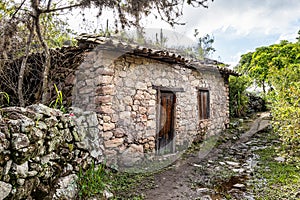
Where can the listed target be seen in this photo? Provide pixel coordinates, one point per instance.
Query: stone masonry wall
(118, 88)
(133, 130)
(41, 151)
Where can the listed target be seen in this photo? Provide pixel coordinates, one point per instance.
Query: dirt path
(212, 173)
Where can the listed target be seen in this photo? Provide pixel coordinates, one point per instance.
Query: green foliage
(6, 9)
(204, 46)
(260, 65)
(278, 67)
(286, 110)
(238, 101)
(4, 97)
(58, 102)
(93, 182)
(55, 30)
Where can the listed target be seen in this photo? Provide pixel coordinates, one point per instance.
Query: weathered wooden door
(166, 123)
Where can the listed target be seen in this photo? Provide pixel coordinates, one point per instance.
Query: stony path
(216, 174)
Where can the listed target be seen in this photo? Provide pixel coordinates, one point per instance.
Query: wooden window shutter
(204, 110)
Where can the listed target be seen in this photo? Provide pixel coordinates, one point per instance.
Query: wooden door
(165, 140)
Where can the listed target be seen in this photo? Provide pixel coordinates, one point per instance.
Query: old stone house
(128, 105)
(146, 102)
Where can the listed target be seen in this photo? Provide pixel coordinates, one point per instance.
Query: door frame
(159, 90)
(173, 118)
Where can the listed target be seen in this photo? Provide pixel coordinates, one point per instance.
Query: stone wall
(136, 101)
(41, 150)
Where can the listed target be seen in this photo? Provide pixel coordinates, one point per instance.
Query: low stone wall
(41, 150)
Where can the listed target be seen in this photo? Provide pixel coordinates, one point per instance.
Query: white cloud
(245, 17)
(291, 36)
(239, 17)
(238, 25)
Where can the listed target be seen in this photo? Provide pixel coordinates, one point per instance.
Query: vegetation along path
(227, 171)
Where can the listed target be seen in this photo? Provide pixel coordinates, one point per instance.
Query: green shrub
(238, 100)
(286, 107)
(286, 120)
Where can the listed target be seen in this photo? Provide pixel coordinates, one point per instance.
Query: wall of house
(120, 90)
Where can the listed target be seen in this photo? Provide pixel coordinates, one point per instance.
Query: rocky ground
(219, 170)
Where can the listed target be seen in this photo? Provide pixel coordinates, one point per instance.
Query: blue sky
(238, 26)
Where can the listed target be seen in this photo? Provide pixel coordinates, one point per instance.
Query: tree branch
(17, 10)
(49, 4)
(60, 9)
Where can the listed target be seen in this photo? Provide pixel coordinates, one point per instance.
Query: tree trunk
(23, 67)
(36, 15)
(47, 63)
(264, 87)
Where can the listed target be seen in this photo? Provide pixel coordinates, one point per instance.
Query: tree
(258, 64)
(128, 13)
(204, 46)
(161, 40)
(238, 100)
(255, 64)
(278, 65)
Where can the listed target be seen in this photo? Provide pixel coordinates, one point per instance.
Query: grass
(273, 179)
(4, 97)
(124, 183)
(94, 181)
(58, 102)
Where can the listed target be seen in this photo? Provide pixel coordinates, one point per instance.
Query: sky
(238, 26)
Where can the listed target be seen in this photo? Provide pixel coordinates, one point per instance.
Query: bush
(238, 100)
(286, 120)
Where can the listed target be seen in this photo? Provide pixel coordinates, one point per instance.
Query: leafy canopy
(278, 66)
(260, 64)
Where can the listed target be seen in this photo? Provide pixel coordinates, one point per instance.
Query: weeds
(58, 102)
(123, 183)
(93, 181)
(4, 97)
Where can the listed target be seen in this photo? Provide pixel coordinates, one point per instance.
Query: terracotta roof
(169, 56)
